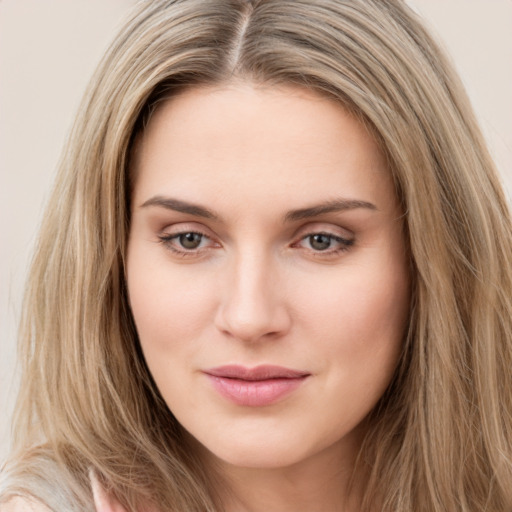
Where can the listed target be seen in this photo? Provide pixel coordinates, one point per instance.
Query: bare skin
(266, 231)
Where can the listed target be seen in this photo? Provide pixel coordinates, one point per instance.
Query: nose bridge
(252, 304)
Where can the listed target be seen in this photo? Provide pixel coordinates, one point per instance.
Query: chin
(256, 457)
(251, 452)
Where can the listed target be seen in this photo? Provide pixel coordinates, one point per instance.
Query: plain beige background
(48, 50)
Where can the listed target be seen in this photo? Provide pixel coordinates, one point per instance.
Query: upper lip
(262, 372)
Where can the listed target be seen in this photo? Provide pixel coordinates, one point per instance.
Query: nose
(252, 304)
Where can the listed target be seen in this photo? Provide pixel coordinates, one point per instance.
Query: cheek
(359, 317)
(360, 299)
(358, 329)
(376, 308)
(169, 306)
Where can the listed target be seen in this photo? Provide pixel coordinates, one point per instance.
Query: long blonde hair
(441, 437)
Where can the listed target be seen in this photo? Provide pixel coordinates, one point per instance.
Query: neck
(323, 482)
(290, 489)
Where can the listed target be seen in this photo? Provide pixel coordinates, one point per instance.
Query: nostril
(251, 304)
(260, 324)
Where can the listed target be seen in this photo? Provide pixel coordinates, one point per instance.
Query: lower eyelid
(170, 243)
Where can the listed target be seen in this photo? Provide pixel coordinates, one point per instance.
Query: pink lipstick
(255, 387)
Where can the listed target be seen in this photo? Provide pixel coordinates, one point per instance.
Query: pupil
(320, 242)
(190, 240)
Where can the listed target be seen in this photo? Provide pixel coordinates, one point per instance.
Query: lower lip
(255, 393)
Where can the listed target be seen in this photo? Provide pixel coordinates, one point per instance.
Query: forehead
(256, 142)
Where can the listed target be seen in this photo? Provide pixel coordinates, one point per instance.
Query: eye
(186, 243)
(190, 240)
(320, 241)
(326, 243)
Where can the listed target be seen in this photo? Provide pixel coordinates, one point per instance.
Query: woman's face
(267, 271)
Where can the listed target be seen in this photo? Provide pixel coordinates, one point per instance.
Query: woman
(274, 275)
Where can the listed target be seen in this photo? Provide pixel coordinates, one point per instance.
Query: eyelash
(344, 244)
(184, 253)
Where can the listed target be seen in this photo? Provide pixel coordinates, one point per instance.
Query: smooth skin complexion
(266, 231)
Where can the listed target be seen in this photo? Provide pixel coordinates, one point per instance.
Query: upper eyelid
(320, 228)
(324, 232)
(185, 227)
(168, 240)
(347, 242)
(171, 236)
(311, 228)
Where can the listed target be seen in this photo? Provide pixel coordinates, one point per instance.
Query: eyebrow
(170, 203)
(337, 205)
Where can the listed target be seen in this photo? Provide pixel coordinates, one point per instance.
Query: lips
(255, 387)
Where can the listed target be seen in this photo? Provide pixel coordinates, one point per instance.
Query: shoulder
(102, 500)
(22, 505)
